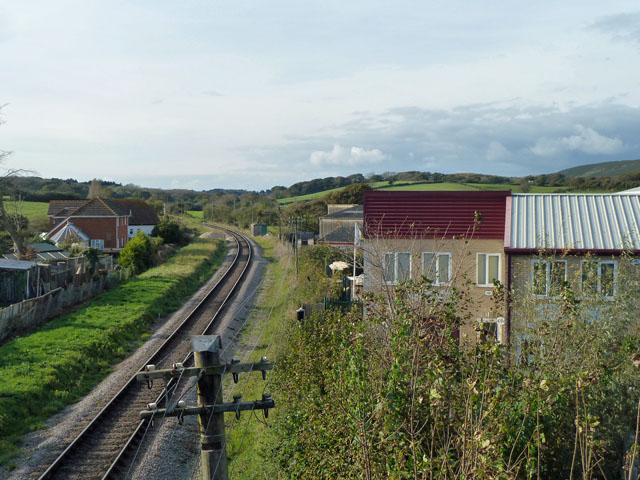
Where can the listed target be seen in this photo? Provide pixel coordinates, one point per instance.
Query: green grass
(248, 439)
(495, 186)
(423, 187)
(34, 211)
(43, 372)
(306, 198)
(195, 214)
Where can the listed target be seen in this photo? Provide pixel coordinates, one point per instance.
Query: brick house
(574, 240)
(451, 238)
(100, 223)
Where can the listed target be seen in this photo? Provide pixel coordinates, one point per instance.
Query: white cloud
(349, 157)
(497, 152)
(587, 141)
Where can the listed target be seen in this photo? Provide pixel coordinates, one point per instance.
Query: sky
(252, 94)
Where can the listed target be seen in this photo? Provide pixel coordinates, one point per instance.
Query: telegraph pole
(210, 409)
(206, 352)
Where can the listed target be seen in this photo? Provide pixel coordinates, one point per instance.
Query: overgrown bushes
(170, 231)
(393, 395)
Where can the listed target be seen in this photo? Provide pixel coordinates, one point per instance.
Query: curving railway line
(106, 447)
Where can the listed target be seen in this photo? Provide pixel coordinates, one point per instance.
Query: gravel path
(42, 447)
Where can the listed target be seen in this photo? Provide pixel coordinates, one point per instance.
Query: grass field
(427, 187)
(195, 214)
(32, 210)
(43, 372)
(249, 438)
(306, 198)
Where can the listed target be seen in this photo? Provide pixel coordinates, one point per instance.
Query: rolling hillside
(604, 169)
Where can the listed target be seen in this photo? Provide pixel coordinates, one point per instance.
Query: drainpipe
(508, 302)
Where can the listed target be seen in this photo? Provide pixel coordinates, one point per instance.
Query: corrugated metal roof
(344, 234)
(574, 222)
(351, 213)
(434, 214)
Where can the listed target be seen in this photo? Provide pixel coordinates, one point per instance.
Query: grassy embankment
(43, 372)
(249, 439)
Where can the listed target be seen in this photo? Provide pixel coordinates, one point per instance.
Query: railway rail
(106, 447)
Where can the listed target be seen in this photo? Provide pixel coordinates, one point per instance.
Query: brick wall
(104, 228)
(463, 269)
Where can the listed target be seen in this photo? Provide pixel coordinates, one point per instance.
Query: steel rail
(158, 355)
(135, 439)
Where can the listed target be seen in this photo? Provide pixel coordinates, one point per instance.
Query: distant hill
(604, 169)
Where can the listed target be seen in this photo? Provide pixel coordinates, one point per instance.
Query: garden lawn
(43, 372)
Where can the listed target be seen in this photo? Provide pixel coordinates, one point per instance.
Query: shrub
(394, 394)
(170, 231)
(137, 253)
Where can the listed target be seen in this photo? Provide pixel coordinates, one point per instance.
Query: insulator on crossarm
(236, 399)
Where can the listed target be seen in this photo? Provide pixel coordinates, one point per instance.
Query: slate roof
(62, 208)
(593, 222)
(139, 211)
(96, 207)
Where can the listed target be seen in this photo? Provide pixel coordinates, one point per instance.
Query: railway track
(106, 447)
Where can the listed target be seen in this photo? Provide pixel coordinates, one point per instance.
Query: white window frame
(499, 322)
(394, 280)
(97, 243)
(486, 268)
(599, 278)
(547, 269)
(436, 257)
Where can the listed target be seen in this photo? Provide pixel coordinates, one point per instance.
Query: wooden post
(206, 351)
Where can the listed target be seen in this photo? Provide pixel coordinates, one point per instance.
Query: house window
(547, 277)
(396, 267)
(437, 267)
(599, 278)
(99, 244)
(488, 268)
(528, 349)
(131, 231)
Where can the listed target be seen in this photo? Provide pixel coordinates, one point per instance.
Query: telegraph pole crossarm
(264, 404)
(175, 373)
(209, 371)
